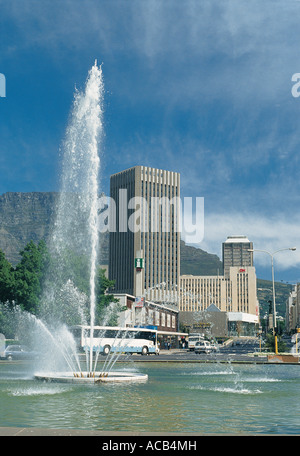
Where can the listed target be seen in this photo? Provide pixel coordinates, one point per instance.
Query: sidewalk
(172, 351)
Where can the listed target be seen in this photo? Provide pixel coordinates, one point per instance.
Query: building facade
(292, 316)
(235, 293)
(236, 253)
(211, 323)
(199, 292)
(145, 233)
(138, 312)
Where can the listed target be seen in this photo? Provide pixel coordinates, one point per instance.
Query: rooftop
(237, 238)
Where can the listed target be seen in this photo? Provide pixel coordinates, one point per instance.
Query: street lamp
(273, 282)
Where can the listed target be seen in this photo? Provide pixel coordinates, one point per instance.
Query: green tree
(65, 288)
(6, 296)
(7, 281)
(72, 266)
(7, 322)
(68, 296)
(270, 343)
(107, 306)
(29, 276)
(57, 287)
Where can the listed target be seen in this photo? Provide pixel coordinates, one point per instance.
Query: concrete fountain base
(85, 377)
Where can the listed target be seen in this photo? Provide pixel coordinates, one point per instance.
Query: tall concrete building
(144, 250)
(236, 253)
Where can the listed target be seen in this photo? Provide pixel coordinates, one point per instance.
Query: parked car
(203, 346)
(19, 352)
(215, 346)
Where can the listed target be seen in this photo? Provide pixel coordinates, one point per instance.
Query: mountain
(265, 294)
(24, 217)
(29, 216)
(198, 262)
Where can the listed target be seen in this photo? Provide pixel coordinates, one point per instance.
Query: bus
(109, 339)
(193, 338)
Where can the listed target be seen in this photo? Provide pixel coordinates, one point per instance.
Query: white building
(292, 316)
(237, 293)
(234, 292)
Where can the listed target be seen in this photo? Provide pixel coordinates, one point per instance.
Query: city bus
(108, 339)
(193, 338)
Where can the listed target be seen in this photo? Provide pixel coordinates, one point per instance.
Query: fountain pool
(198, 398)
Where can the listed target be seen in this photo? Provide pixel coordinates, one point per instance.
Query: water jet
(76, 231)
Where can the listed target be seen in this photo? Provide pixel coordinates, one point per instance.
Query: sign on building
(139, 263)
(139, 301)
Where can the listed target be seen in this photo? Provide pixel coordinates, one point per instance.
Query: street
(245, 351)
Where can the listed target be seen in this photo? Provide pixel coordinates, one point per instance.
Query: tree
(29, 276)
(66, 295)
(6, 279)
(56, 287)
(107, 307)
(7, 288)
(69, 265)
(270, 343)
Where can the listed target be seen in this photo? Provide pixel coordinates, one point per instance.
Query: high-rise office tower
(144, 251)
(236, 253)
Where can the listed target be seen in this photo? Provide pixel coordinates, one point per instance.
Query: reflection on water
(202, 398)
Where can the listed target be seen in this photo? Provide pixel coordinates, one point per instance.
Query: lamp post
(273, 287)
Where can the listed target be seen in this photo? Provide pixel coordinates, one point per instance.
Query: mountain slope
(198, 262)
(29, 216)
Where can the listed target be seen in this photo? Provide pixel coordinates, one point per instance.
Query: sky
(201, 87)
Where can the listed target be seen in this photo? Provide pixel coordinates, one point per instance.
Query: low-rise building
(137, 311)
(292, 316)
(234, 296)
(211, 323)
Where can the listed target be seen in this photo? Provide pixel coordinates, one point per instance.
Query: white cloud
(239, 50)
(266, 233)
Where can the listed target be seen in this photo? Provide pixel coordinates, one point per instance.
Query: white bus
(193, 338)
(108, 339)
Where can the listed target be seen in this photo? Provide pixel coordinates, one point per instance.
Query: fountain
(76, 229)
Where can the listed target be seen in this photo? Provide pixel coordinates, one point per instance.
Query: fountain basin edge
(99, 377)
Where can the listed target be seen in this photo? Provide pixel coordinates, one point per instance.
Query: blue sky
(201, 87)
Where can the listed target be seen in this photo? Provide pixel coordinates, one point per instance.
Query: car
(18, 352)
(215, 346)
(203, 346)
